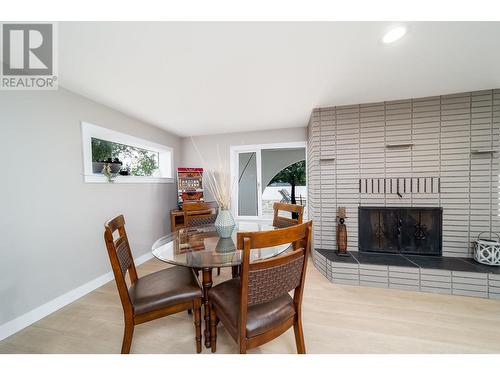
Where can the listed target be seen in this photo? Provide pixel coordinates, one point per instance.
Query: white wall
(209, 144)
(51, 223)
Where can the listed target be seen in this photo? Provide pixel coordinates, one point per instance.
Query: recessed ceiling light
(394, 34)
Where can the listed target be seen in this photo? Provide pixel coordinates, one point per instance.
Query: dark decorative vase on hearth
(341, 232)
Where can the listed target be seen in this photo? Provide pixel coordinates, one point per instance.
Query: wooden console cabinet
(176, 219)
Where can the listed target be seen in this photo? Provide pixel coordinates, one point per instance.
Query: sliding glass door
(248, 183)
(265, 174)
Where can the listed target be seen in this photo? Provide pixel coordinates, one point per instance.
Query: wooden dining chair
(199, 213)
(153, 296)
(284, 222)
(257, 307)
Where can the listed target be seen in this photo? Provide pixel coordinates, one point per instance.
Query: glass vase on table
(224, 223)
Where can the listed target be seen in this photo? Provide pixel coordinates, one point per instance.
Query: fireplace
(405, 230)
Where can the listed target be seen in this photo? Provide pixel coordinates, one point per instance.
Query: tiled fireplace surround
(452, 140)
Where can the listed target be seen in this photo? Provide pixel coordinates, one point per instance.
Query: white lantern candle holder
(487, 251)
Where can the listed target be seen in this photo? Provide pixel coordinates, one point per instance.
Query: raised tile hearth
(445, 275)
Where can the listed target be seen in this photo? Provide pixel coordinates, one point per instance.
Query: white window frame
(234, 151)
(165, 155)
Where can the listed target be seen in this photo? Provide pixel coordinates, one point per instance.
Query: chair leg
(235, 271)
(243, 346)
(197, 324)
(127, 335)
(213, 329)
(299, 336)
(190, 311)
(218, 271)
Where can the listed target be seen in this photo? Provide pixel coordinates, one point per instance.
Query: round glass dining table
(203, 249)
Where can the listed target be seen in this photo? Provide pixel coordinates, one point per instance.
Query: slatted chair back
(199, 213)
(285, 222)
(120, 256)
(265, 280)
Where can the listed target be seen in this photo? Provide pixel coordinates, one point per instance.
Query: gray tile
(337, 270)
(373, 284)
(373, 279)
(426, 271)
(371, 272)
(404, 287)
(353, 266)
(474, 275)
(443, 263)
(482, 267)
(403, 281)
(435, 284)
(435, 278)
(382, 259)
(373, 267)
(413, 270)
(471, 287)
(346, 276)
(403, 275)
(435, 290)
(469, 281)
(332, 256)
(470, 293)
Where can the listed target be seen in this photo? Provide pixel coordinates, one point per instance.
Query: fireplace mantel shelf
(394, 145)
(488, 151)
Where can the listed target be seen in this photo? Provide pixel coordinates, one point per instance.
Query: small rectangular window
(132, 161)
(129, 158)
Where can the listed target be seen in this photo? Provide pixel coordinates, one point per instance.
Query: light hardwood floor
(337, 319)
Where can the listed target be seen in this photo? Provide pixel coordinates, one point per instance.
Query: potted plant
(115, 165)
(108, 172)
(125, 171)
(105, 153)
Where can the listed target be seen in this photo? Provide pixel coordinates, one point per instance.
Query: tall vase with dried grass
(218, 181)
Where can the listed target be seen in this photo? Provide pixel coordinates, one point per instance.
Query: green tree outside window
(140, 162)
(295, 175)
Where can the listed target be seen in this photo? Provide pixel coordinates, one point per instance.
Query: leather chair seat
(164, 288)
(260, 318)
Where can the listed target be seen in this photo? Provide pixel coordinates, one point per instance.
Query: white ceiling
(207, 78)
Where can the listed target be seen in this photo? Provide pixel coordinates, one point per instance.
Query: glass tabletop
(201, 247)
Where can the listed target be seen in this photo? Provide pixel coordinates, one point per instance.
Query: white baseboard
(19, 323)
(143, 258)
